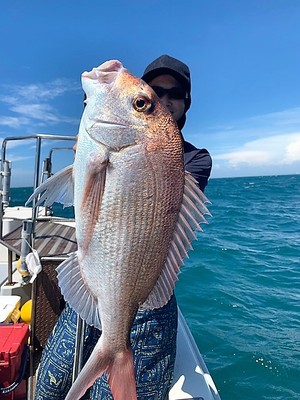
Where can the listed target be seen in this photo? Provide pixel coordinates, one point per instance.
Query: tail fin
(120, 370)
(121, 377)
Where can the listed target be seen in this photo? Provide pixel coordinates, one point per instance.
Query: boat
(24, 230)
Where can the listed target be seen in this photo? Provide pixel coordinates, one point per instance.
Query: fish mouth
(111, 124)
(109, 142)
(105, 73)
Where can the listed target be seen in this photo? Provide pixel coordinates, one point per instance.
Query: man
(154, 332)
(170, 79)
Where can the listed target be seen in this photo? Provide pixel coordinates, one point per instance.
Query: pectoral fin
(92, 199)
(59, 188)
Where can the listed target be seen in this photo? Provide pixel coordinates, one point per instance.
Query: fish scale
(132, 214)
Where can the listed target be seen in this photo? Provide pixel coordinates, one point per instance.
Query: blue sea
(240, 288)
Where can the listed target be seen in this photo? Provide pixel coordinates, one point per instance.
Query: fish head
(122, 110)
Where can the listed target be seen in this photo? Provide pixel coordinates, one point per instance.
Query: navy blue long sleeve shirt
(198, 162)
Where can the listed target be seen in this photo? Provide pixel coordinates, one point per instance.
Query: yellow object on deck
(22, 271)
(26, 312)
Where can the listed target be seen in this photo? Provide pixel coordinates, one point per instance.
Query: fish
(136, 210)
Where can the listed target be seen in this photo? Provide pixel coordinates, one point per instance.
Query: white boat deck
(192, 379)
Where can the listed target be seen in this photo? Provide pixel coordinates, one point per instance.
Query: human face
(175, 106)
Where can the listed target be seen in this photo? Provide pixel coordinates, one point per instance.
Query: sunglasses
(175, 93)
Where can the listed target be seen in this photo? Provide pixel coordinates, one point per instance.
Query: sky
(243, 55)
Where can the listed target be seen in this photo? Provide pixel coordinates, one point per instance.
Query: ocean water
(19, 196)
(240, 288)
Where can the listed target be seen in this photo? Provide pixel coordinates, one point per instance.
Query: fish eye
(142, 104)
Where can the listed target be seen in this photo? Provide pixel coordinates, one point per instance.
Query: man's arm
(199, 164)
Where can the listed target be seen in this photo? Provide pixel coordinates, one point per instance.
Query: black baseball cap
(171, 66)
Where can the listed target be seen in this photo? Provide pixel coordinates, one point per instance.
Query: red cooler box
(13, 341)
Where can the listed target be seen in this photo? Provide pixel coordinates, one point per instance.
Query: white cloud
(261, 145)
(249, 157)
(28, 104)
(248, 129)
(38, 92)
(284, 118)
(273, 155)
(43, 112)
(292, 152)
(13, 122)
(278, 149)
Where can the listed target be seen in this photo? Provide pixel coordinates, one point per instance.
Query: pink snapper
(136, 211)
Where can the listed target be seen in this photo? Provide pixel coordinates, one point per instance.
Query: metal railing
(5, 172)
(28, 226)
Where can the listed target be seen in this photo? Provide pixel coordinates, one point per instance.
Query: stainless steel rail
(5, 169)
(5, 175)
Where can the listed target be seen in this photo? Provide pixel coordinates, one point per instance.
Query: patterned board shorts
(153, 341)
